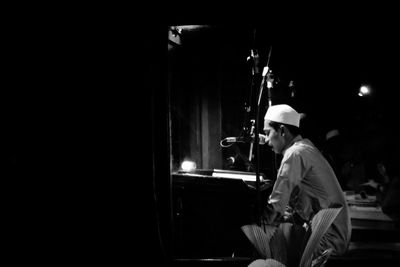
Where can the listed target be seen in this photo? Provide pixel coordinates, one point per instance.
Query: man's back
(316, 187)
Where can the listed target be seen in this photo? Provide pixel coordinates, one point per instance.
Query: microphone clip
(254, 59)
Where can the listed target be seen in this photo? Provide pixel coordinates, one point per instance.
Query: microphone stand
(270, 82)
(251, 143)
(256, 140)
(255, 70)
(254, 59)
(257, 150)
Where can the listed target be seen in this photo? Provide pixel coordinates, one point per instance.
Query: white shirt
(307, 183)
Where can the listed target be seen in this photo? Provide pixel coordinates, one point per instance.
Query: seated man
(305, 181)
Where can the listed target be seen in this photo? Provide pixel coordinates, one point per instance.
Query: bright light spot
(188, 166)
(364, 90)
(190, 27)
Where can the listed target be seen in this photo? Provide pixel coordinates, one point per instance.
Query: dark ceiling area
(327, 66)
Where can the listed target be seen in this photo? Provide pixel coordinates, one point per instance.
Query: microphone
(231, 160)
(292, 89)
(246, 139)
(254, 58)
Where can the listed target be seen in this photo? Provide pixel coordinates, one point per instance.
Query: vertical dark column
(161, 220)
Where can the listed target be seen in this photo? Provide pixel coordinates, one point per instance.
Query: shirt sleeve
(289, 176)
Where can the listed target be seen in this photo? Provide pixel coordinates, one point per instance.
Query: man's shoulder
(302, 144)
(302, 148)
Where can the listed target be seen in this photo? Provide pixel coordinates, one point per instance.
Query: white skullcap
(284, 114)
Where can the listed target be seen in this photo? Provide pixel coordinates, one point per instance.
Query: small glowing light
(364, 90)
(188, 165)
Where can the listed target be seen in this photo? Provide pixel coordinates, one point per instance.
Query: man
(305, 183)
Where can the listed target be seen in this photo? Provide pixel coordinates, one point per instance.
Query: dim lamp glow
(364, 90)
(188, 165)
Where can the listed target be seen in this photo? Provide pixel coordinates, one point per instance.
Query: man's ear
(282, 129)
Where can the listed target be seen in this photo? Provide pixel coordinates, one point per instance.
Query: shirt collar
(294, 140)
